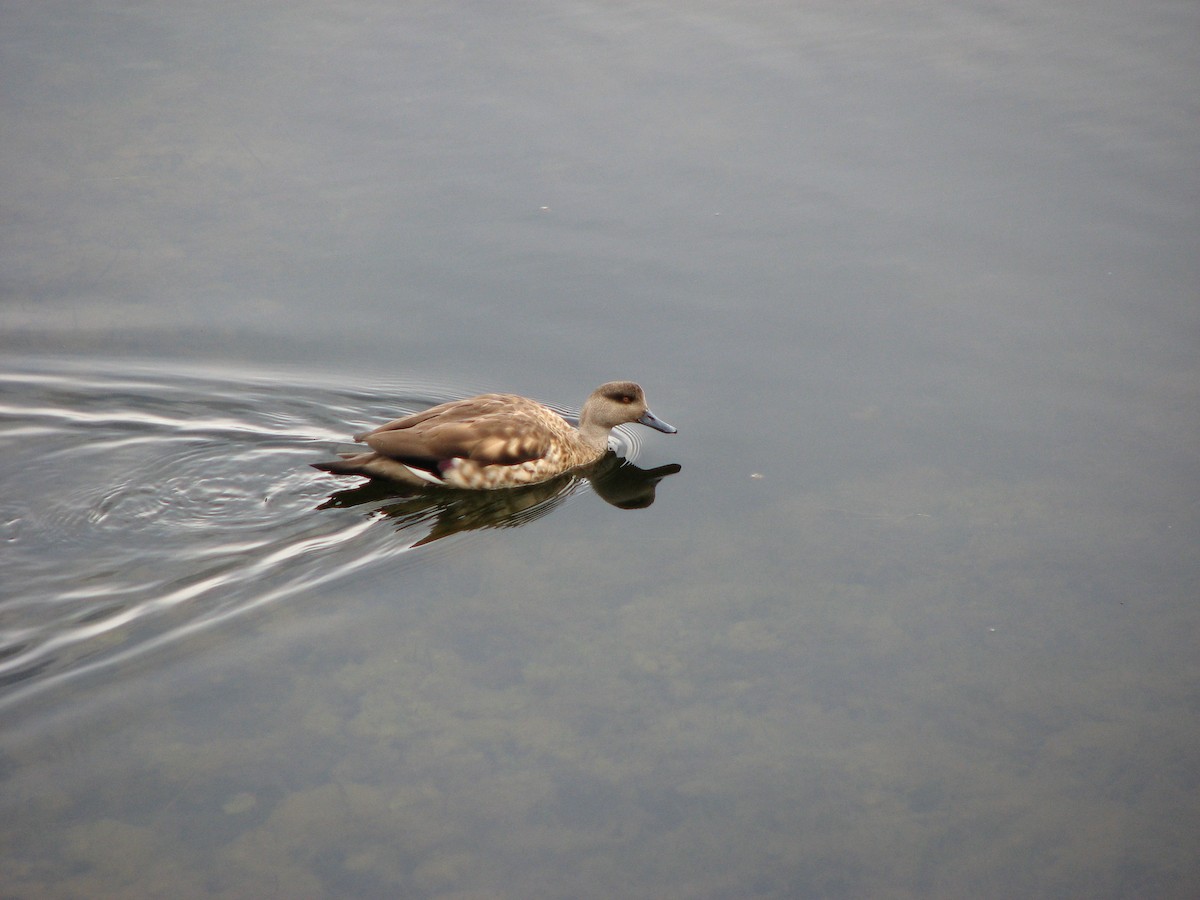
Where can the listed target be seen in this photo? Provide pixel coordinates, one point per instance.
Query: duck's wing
(490, 430)
(453, 411)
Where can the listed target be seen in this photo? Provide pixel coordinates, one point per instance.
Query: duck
(495, 441)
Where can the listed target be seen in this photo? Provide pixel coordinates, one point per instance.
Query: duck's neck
(593, 433)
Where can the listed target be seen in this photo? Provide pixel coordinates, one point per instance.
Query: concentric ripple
(140, 505)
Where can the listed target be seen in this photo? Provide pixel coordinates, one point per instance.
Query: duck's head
(617, 403)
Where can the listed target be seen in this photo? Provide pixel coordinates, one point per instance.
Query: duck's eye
(626, 398)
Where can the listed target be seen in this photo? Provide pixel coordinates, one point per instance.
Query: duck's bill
(656, 423)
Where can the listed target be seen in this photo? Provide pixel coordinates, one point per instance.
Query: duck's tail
(375, 465)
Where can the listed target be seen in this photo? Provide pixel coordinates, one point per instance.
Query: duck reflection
(445, 512)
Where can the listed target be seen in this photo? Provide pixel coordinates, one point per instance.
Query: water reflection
(444, 512)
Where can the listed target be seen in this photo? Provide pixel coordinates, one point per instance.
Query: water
(908, 606)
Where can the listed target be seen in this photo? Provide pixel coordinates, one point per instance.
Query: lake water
(909, 607)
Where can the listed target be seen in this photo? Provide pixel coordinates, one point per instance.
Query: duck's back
(490, 430)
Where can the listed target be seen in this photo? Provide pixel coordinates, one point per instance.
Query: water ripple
(142, 505)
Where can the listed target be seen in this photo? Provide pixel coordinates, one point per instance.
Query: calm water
(909, 606)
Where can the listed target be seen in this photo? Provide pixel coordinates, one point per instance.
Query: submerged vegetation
(845, 704)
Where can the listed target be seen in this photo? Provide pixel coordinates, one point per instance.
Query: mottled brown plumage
(495, 440)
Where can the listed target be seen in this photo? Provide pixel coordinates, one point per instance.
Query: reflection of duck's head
(495, 440)
(622, 484)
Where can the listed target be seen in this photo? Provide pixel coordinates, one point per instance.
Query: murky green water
(916, 618)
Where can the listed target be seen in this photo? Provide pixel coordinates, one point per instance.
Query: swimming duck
(495, 440)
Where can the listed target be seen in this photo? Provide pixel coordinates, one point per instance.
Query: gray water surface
(915, 617)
